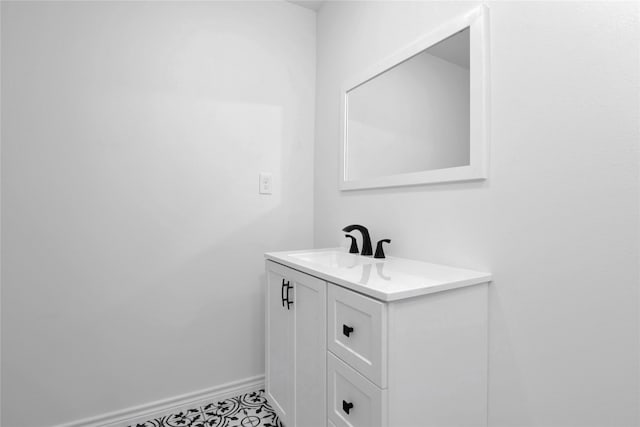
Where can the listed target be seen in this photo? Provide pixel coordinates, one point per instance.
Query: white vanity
(363, 342)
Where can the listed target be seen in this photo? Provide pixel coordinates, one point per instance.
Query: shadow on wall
(222, 287)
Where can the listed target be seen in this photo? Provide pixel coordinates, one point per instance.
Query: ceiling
(309, 4)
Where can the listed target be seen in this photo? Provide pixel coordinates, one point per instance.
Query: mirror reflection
(413, 117)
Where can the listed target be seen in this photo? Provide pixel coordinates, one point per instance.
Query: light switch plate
(266, 181)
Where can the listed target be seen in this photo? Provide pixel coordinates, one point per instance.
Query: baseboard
(144, 412)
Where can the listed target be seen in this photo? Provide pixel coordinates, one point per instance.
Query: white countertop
(388, 279)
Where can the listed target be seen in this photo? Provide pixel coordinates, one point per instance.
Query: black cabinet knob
(347, 406)
(346, 330)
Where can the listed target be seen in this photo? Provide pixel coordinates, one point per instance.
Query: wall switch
(265, 183)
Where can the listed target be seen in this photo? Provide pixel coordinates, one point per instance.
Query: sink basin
(334, 259)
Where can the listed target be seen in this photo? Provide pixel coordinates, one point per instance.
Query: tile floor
(247, 410)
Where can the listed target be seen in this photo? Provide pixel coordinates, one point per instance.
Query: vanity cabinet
(296, 346)
(411, 356)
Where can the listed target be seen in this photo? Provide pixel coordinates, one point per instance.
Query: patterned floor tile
(247, 410)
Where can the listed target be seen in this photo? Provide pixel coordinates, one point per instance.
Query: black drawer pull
(346, 330)
(346, 407)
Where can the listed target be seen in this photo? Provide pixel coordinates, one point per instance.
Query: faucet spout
(366, 239)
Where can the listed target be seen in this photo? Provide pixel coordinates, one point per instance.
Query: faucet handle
(354, 245)
(379, 250)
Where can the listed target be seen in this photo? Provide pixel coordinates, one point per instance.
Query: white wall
(132, 228)
(557, 220)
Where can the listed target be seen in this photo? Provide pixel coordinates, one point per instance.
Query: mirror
(418, 117)
(414, 116)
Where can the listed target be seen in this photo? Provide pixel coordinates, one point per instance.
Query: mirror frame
(477, 22)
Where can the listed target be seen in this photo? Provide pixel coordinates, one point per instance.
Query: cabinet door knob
(346, 406)
(346, 330)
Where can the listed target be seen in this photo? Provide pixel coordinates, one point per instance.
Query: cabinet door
(280, 345)
(310, 349)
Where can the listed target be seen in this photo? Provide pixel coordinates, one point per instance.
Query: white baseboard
(141, 413)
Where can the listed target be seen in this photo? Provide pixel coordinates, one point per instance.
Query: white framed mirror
(420, 116)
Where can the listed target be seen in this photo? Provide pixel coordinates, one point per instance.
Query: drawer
(357, 332)
(353, 401)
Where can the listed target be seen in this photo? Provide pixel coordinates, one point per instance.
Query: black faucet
(379, 250)
(354, 245)
(366, 240)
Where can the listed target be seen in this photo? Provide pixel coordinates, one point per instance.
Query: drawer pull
(346, 407)
(346, 330)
